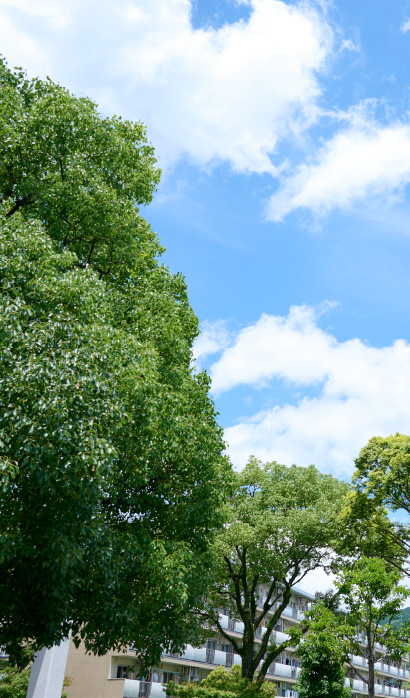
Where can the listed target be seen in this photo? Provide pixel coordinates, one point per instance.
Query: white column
(47, 672)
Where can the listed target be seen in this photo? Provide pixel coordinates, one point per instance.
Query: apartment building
(115, 674)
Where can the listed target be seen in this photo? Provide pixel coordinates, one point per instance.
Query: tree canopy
(281, 522)
(380, 481)
(382, 471)
(111, 467)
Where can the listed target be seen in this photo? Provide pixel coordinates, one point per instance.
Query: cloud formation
(363, 160)
(347, 391)
(227, 93)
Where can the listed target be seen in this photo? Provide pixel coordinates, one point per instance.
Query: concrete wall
(89, 676)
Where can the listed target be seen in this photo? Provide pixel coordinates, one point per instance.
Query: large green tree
(281, 522)
(111, 473)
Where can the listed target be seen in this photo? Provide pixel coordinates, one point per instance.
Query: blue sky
(283, 131)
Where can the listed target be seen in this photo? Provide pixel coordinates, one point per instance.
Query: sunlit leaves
(223, 684)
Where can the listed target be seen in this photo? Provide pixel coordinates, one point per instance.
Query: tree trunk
(247, 662)
(371, 677)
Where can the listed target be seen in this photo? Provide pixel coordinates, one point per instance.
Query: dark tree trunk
(371, 677)
(247, 662)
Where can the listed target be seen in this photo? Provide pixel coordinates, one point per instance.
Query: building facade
(115, 674)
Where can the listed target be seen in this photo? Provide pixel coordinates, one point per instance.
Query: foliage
(223, 684)
(382, 479)
(111, 473)
(80, 174)
(66, 682)
(371, 598)
(371, 593)
(281, 523)
(13, 682)
(382, 471)
(323, 655)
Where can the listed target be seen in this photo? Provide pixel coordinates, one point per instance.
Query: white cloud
(405, 27)
(360, 391)
(228, 93)
(272, 348)
(363, 160)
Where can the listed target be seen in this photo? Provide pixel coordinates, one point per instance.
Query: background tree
(111, 473)
(223, 684)
(382, 479)
(281, 522)
(323, 655)
(371, 595)
(13, 682)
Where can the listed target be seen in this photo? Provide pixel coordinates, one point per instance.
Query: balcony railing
(290, 612)
(210, 656)
(207, 656)
(285, 670)
(229, 659)
(143, 689)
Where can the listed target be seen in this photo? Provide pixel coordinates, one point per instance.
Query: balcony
(290, 612)
(207, 656)
(358, 661)
(142, 689)
(283, 670)
(226, 622)
(280, 637)
(390, 691)
(359, 685)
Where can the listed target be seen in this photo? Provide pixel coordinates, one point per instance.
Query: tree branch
(25, 201)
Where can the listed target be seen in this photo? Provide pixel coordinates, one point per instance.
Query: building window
(122, 672)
